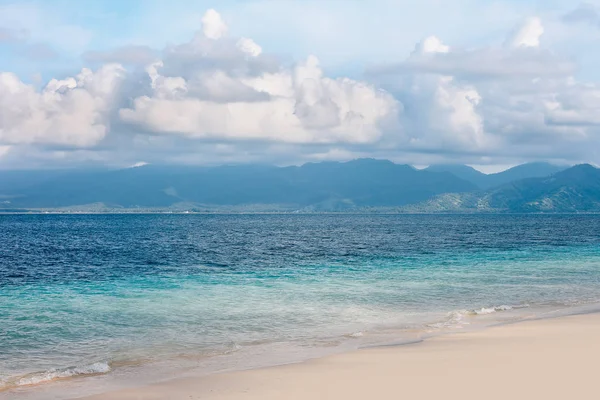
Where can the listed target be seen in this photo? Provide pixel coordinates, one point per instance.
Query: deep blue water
(83, 294)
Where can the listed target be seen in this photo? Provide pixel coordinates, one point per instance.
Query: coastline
(545, 358)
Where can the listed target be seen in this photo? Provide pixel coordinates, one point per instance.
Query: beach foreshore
(542, 359)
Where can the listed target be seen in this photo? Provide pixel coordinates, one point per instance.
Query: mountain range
(486, 181)
(358, 185)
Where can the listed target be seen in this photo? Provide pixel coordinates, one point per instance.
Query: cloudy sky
(487, 83)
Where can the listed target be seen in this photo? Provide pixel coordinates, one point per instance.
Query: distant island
(362, 185)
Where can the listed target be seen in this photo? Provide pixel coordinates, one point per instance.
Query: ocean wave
(55, 374)
(233, 348)
(490, 310)
(355, 335)
(456, 318)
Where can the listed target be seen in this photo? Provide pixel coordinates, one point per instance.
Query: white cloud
(577, 106)
(249, 47)
(441, 112)
(528, 34)
(213, 25)
(221, 97)
(431, 44)
(69, 112)
(138, 164)
(459, 106)
(216, 88)
(515, 100)
(346, 33)
(519, 58)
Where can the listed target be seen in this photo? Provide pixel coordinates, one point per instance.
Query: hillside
(358, 185)
(486, 181)
(576, 189)
(313, 186)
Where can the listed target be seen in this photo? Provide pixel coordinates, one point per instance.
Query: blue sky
(479, 96)
(345, 35)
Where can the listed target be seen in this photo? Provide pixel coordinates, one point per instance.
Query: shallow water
(90, 295)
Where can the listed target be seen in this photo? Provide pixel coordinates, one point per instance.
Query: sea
(90, 303)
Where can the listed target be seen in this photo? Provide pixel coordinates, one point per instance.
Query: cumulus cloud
(216, 87)
(431, 45)
(220, 98)
(528, 34)
(213, 25)
(68, 112)
(495, 101)
(440, 111)
(444, 115)
(577, 105)
(248, 46)
(520, 57)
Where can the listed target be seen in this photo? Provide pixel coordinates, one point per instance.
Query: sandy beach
(543, 359)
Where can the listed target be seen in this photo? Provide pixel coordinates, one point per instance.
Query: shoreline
(547, 358)
(96, 385)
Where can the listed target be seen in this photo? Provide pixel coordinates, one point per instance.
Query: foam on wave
(355, 334)
(490, 310)
(456, 319)
(55, 374)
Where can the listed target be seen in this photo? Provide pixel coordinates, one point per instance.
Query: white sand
(545, 359)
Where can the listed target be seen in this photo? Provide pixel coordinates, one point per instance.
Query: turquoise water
(83, 296)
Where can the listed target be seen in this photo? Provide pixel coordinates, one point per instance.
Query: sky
(479, 82)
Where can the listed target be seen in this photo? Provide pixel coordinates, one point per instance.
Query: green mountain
(486, 181)
(576, 189)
